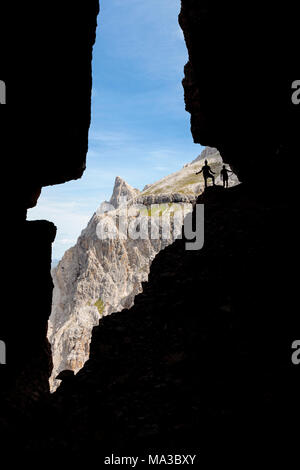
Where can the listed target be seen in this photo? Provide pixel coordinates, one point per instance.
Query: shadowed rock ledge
(203, 355)
(238, 95)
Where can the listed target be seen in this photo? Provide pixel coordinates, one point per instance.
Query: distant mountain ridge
(122, 190)
(98, 276)
(207, 153)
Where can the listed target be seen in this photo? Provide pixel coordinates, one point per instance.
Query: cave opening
(140, 131)
(191, 362)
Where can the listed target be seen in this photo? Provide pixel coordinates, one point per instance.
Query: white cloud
(66, 241)
(161, 168)
(109, 137)
(163, 153)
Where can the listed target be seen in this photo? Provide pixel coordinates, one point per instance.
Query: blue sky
(140, 129)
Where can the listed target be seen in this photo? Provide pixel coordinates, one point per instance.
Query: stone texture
(46, 52)
(52, 44)
(233, 392)
(239, 100)
(97, 277)
(203, 357)
(122, 192)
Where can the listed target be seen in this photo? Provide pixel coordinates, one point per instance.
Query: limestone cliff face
(94, 278)
(101, 275)
(194, 359)
(122, 190)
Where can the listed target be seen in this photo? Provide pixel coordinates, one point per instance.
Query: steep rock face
(94, 278)
(232, 106)
(241, 101)
(46, 59)
(100, 276)
(122, 191)
(58, 86)
(207, 152)
(24, 378)
(203, 358)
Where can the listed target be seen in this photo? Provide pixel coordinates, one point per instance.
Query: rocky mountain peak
(207, 152)
(121, 191)
(97, 277)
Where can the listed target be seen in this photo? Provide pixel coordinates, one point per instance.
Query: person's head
(224, 167)
(205, 162)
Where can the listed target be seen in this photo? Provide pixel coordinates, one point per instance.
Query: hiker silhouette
(224, 175)
(207, 173)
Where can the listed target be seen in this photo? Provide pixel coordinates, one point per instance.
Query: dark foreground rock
(202, 362)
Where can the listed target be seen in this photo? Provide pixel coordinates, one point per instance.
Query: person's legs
(205, 181)
(211, 177)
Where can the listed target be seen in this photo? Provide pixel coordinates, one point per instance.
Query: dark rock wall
(238, 82)
(47, 68)
(202, 362)
(46, 53)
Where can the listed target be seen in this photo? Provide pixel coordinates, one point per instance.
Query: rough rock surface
(203, 357)
(242, 59)
(46, 57)
(97, 277)
(94, 278)
(122, 190)
(232, 106)
(207, 152)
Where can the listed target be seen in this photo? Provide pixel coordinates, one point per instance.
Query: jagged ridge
(97, 277)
